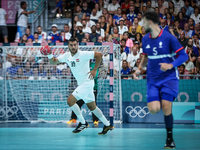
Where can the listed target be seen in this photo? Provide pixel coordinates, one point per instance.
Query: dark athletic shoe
(81, 127)
(106, 129)
(170, 144)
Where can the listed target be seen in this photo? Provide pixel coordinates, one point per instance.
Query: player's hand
(92, 74)
(136, 73)
(165, 66)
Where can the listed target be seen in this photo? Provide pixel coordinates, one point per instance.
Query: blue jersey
(162, 49)
(54, 37)
(117, 19)
(131, 17)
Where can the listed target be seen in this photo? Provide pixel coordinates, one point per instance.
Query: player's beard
(148, 30)
(73, 51)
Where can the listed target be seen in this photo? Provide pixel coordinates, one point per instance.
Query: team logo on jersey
(77, 60)
(73, 64)
(148, 46)
(160, 44)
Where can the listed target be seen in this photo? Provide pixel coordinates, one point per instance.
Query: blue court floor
(56, 136)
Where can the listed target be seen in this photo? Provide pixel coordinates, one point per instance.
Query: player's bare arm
(140, 68)
(98, 57)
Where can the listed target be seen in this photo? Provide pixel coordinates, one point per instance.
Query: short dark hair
(22, 3)
(190, 46)
(151, 15)
(182, 65)
(39, 27)
(123, 40)
(196, 35)
(36, 33)
(72, 39)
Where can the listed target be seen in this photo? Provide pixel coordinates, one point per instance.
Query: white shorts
(85, 92)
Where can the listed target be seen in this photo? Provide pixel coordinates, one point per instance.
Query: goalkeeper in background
(81, 102)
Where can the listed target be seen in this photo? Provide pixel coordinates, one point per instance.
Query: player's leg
(153, 98)
(75, 108)
(98, 113)
(168, 117)
(94, 118)
(73, 115)
(169, 91)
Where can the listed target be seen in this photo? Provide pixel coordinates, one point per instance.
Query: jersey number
(73, 64)
(155, 51)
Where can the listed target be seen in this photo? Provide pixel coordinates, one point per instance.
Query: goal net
(35, 90)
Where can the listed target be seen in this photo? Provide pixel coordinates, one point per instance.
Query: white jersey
(79, 64)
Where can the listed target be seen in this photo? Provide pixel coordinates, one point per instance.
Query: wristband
(50, 56)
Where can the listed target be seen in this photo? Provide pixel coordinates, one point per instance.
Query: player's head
(150, 19)
(73, 45)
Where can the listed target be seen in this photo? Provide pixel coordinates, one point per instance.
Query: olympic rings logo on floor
(10, 111)
(137, 111)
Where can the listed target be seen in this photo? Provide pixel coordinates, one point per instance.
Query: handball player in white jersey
(79, 61)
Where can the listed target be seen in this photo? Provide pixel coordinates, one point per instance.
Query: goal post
(34, 90)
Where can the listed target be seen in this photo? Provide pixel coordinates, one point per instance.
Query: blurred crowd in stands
(117, 21)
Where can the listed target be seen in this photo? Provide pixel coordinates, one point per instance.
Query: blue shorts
(165, 91)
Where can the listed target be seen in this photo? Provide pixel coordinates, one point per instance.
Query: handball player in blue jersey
(160, 51)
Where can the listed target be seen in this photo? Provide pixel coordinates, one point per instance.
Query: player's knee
(166, 109)
(154, 110)
(71, 101)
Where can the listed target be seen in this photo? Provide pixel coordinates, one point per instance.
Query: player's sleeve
(62, 58)
(175, 44)
(88, 55)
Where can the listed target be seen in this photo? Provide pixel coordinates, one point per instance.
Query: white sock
(77, 111)
(100, 115)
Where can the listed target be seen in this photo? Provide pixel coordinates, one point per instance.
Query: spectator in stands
(158, 11)
(90, 23)
(100, 39)
(197, 68)
(78, 13)
(22, 22)
(112, 8)
(13, 69)
(105, 26)
(140, 20)
(125, 70)
(191, 24)
(163, 25)
(99, 30)
(87, 36)
(62, 37)
(143, 32)
(54, 35)
(136, 67)
(189, 9)
(184, 72)
(177, 27)
(124, 6)
(183, 10)
(36, 38)
(126, 22)
(93, 16)
(124, 47)
(148, 6)
(132, 58)
(58, 7)
(138, 37)
(172, 9)
(196, 29)
(191, 54)
(27, 69)
(86, 29)
(84, 40)
(108, 17)
(178, 4)
(169, 20)
(3, 26)
(99, 10)
(94, 35)
(68, 35)
(90, 4)
(117, 17)
(42, 34)
(195, 49)
(172, 31)
(55, 71)
(79, 35)
(131, 3)
(138, 27)
(131, 15)
(41, 71)
(129, 42)
(33, 63)
(20, 74)
(122, 27)
(115, 37)
(187, 31)
(28, 34)
(66, 73)
(196, 41)
(137, 45)
(74, 21)
(24, 39)
(182, 39)
(35, 75)
(189, 66)
(181, 20)
(29, 41)
(85, 8)
(132, 33)
(161, 7)
(196, 15)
